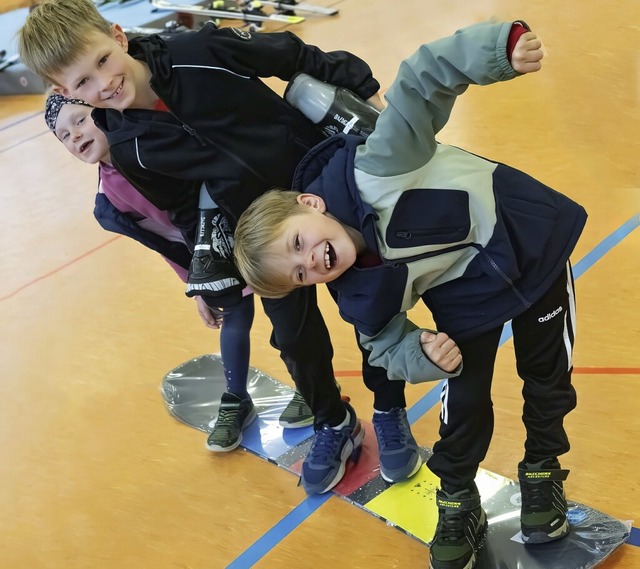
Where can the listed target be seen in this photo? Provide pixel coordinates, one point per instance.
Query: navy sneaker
(399, 454)
(326, 461)
(543, 516)
(234, 415)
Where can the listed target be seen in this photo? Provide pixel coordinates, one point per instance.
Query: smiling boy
(106, 77)
(202, 118)
(401, 218)
(120, 208)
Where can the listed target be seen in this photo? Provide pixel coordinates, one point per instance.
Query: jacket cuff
(517, 29)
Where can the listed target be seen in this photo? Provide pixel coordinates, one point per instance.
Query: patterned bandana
(54, 104)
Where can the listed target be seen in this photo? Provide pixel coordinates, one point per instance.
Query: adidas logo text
(550, 315)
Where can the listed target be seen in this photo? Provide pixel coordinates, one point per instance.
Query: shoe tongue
(544, 464)
(462, 493)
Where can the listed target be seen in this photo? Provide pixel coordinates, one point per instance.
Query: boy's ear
(311, 200)
(118, 34)
(61, 91)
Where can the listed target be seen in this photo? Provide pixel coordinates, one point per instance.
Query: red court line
(58, 269)
(607, 370)
(576, 370)
(343, 373)
(348, 373)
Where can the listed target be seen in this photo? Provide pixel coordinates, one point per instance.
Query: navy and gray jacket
(476, 240)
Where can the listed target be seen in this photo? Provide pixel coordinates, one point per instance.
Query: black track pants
(387, 394)
(543, 338)
(301, 335)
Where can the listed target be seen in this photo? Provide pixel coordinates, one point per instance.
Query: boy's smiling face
(77, 131)
(105, 75)
(313, 246)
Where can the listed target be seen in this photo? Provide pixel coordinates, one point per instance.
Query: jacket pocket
(429, 217)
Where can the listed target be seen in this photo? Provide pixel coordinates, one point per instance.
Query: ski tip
(286, 19)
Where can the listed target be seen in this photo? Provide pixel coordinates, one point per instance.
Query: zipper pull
(192, 132)
(403, 234)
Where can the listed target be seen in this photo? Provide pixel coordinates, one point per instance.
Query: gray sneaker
(296, 414)
(234, 415)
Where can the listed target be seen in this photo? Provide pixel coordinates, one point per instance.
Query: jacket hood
(131, 123)
(327, 170)
(154, 52)
(118, 126)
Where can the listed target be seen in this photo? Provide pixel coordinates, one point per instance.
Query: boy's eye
(300, 276)
(103, 60)
(296, 243)
(81, 121)
(81, 83)
(64, 136)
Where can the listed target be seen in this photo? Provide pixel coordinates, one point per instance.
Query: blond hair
(55, 35)
(258, 228)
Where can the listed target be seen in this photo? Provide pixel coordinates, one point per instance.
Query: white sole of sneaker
(413, 472)
(541, 537)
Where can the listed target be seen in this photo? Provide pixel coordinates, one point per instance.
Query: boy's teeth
(327, 260)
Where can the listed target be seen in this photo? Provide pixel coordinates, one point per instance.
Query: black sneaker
(325, 463)
(234, 415)
(543, 516)
(210, 275)
(296, 414)
(212, 271)
(461, 525)
(399, 455)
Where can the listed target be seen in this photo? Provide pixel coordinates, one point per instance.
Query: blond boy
(400, 218)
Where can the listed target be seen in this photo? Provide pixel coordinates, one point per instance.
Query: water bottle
(333, 109)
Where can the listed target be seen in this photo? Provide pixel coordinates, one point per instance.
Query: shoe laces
(325, 445)
(451, 527)
(537, 496)
(391, 429)
(297, 404)
(227, 418)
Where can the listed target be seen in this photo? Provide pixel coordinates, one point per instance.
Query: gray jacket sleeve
(420, 100)
(397, 349)
(419, 104)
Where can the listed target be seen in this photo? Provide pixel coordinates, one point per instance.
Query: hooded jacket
(478, 241)
(225, 127)
(112, 219)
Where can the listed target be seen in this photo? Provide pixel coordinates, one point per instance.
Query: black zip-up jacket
(225, 128)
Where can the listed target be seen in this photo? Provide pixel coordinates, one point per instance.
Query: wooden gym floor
(94, 471)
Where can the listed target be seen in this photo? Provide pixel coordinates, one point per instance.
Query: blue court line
(634, 537)
(425, 403)
(602, 248)
(23, 141)
(283, 528)
(278, 532)
(19, 121)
